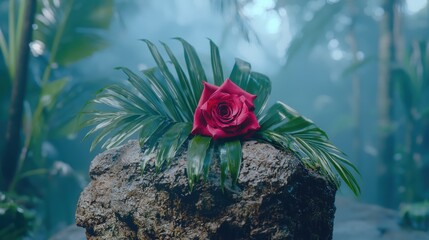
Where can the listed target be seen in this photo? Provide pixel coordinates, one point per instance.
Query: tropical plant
(61, 38)
(412, 87)
(161, 107)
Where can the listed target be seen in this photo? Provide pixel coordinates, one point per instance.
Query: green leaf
(4, 49)
(195, 69)
(259, 85)
(108, 126)
(298, 125)
(186, 86)
(196, 157)
(150, 127)
(223, 170)
(171, 142)
(157, 82)
(153, 103)
(128, 130)
(240, 73)
(216, 64)
(122, 99)
(276, 114)
(252, 82)
(208, 160)
(171, 86)
(230, 153)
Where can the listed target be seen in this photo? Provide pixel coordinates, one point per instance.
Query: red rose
(224, 112)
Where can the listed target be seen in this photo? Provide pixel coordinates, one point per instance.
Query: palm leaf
(157, 82)
(196, 157)
(231, 155)
(253, 82)
(172, 86)
(275, 114)
(4, 49)
(171, 142)
(151, 100)
(240, 73)
(185, 84)
(195, 69)
(259, 85)
(153, 129)
(216, 64)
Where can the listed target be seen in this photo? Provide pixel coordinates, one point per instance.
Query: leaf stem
(12, 50)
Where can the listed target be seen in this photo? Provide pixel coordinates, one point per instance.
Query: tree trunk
(389, 30)
(13, 130)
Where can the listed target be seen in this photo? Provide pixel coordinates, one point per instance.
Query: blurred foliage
(72, 30)
(415, 216)
(412, 86)
(65, 32)
(233, 12)
(314, 29)
(15, 219)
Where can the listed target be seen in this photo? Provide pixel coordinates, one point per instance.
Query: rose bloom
(224, 112)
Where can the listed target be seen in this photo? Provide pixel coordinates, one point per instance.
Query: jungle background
(358, 69)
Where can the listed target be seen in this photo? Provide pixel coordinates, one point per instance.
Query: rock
(276, 198)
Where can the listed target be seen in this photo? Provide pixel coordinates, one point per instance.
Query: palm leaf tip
(284, 127)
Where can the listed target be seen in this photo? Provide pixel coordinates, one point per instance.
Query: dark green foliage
(15, 220)
(161, 106)
(230, 156)
(197, 156)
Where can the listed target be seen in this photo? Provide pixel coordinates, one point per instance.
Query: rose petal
(217, 133)
(251, 125)
(200, 125)
(208, 90)
(230, 87)
(243, 114)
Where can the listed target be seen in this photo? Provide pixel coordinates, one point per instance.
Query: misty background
(325, 58)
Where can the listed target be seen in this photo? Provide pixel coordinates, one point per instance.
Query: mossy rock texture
(276, 197)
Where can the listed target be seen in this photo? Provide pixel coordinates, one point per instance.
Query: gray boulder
(276, 198)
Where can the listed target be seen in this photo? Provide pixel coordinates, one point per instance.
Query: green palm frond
(284, 127)
(160, 108)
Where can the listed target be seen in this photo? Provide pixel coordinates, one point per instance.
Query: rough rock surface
(276, 198)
